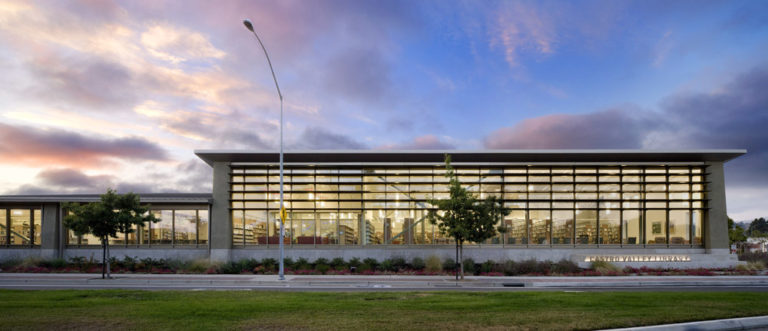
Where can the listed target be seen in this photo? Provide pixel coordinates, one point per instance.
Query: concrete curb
(744, 323)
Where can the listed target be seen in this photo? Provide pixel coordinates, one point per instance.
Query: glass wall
(551, 205)
(20, 226)
(177, 227)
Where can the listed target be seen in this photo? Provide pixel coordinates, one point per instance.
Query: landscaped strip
(121, 309)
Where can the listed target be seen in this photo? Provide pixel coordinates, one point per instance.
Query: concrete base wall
(699, 257)
(155, 253)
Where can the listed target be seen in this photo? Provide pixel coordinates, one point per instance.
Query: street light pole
(249, 26)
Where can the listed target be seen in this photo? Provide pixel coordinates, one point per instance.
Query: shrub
(417, 263)
(449, 264)
(398, 263)
(199, 266)
(387, 265)
(433, 264)
(288, 262)
(756, 265)
(339, 264)
(354, 262)
(488, 266)
(302, 264)
(230, 268)
(525, 267)
(469, 265)
(603, 267)
(320, 260)
(372, 263)
(322, 268)
(10, 263)
(365, 267)
(754, 257)
(565, 267)
(54, 263)
(509, 268)
(269, 264)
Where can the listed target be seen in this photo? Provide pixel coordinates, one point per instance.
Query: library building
(629, 207)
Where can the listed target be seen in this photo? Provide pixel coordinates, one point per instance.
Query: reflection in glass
(562, 227)
(161, 232)
(678, 227)
(610, 227)
(586, 227)
(202, 227)
(656, 226)
(20, 229)
(539, 222)
(517, 233)
(185, 224)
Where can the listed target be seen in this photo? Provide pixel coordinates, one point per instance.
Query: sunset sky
(99, 94)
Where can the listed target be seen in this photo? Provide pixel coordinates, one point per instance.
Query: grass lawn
(122, 309)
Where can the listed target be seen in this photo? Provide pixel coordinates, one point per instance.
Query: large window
(20, 226)
(551, 205)
(177, 227)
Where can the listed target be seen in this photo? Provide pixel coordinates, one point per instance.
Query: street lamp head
(248, 24)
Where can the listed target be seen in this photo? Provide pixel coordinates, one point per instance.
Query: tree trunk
(456, 264)
(461, 256)
(109, 267)
(103, 257)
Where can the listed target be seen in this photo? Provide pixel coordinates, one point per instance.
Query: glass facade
(622, 206)
(20, 226)
(177, 227)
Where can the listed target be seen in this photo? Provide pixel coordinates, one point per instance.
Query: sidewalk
(404, 281)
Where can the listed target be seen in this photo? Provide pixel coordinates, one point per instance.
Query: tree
(735, 232)
(113, 214)
(758, 227)
(464, 217)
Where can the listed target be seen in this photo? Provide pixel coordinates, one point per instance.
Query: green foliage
(322, 268)
(758, 228)
(114, 213)
(372, 263)
(321, 261)
(398, 263)
(302, 264)
(354, 262)
(433, 264)
(565, 267)
(488, 266)
(463, 216)
(469, 265)
(418, 264)
(735, 232)
(449, 264)
(339, 264)
(269, 264)
(387, 265)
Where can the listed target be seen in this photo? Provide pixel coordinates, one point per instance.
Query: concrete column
(716, 220)
(221, 222)
(49, 231)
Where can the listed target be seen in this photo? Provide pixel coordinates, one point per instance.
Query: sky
(99, 94)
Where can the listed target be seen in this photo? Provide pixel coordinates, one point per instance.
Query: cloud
(360, 74)
(522, 28)
(85, 80)
(425, 142)
(319, 138)
(31, 146)
(603, 129)
(175, 44)
(732, 116)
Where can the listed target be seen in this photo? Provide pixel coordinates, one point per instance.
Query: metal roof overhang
(151, 198)
(475, 156)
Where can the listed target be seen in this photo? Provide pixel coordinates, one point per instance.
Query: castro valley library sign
(639, 258)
